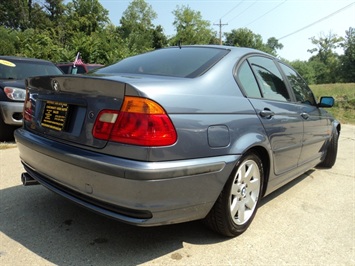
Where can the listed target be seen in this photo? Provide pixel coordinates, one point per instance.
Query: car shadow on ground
(66, 234)
(286, 187)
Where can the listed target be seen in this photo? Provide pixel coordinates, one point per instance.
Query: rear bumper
(135, 192)
(12, 112)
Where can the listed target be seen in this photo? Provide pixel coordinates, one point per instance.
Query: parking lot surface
(309, 221)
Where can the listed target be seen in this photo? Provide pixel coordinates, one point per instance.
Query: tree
(14, 14)
(326, 60)
(244, 37)
(8, 41)
(348, 59)
(137, 17)
(86, 16)
(326, 46)
(306, 70)
(38, 44)
(191, 28)
(273, 44)
(55, 10)
(137, 27)
(159, 39)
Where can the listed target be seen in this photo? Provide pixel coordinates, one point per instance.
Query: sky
(292, 22)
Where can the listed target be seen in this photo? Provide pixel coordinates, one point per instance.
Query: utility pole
(220, 30)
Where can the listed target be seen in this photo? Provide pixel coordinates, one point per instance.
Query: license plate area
(55, 115)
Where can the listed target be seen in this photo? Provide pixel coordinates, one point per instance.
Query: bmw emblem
(55, 85)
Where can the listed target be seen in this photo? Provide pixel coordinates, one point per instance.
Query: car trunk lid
(66, 107)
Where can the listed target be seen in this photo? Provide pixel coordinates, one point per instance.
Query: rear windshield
(13, 69)
(187, 62)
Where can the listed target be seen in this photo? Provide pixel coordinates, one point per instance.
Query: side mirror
(326, 102)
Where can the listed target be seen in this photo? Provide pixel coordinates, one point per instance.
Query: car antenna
(179, 44)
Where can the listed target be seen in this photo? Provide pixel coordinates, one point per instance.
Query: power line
(266, 13)
(324, 18)
(233, 9)
(243, 11)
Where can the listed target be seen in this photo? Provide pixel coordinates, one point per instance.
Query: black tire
(331, 153)
(237, 204)
(6, 131)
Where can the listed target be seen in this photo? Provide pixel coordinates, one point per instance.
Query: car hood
(18, 83)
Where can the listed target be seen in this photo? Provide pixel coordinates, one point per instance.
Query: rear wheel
(331, 153)
(237, 204)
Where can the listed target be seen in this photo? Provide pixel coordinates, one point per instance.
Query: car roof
(20, 58)
(71, 63)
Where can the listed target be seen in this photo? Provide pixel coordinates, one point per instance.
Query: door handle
(266, 113)
(305, 116)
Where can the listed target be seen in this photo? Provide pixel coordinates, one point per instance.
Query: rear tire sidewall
(232, 228)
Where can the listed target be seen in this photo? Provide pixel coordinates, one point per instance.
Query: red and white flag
(78, 60)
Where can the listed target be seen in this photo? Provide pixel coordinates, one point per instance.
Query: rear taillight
(139, 122)
(27, 108)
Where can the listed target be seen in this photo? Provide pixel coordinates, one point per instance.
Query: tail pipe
(27, 180)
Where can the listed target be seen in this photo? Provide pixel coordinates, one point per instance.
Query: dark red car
(70, 68)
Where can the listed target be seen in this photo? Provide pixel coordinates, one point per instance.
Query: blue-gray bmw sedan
(175, 135)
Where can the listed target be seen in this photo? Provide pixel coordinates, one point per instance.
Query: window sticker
(7, 63)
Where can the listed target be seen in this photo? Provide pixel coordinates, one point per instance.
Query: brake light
(27, 108)
(139, 122)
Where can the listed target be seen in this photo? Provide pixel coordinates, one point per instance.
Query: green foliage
(328, 66)
(137, 28)
(244, 37)
(325, 47)
(86, 16)
(14, 14)
(191, 28)
(8, 41)
(305, 70)
(38, 44)
(57, 30)
(272, 45)
(348, 59)
(344, 95)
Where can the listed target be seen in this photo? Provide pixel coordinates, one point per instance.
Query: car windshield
(187, 62)
(16, 69)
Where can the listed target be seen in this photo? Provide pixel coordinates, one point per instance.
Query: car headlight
(14, 93)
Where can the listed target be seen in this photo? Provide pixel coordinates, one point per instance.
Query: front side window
(269, 78)
(301, 90)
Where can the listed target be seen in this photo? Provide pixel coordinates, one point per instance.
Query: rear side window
(187, 62)
(248, 82)
(300, 88)
(269, 79)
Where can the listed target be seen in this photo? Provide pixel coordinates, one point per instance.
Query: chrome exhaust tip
(27, 180)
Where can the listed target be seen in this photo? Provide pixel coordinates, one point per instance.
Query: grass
(344, 95)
